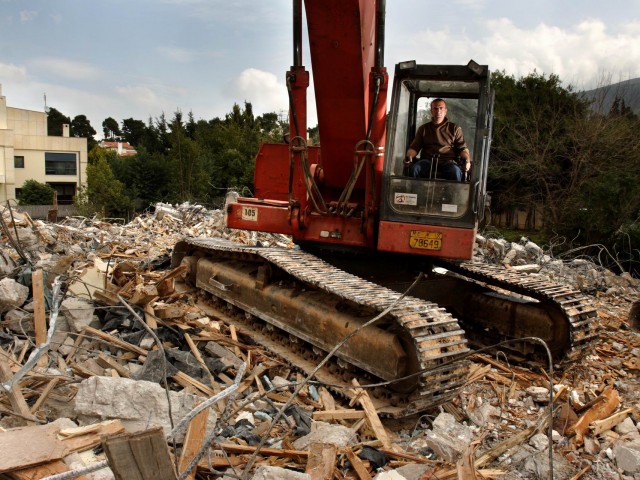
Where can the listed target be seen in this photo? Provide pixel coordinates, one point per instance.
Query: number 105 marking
(250, 214)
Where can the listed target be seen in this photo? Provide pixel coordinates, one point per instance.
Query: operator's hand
(408, 160)
(467, 166)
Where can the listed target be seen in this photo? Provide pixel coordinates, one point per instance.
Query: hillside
(603, 97)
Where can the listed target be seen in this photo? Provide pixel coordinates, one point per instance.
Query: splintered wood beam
(41, 471)
(298, 456)
(358, 466)
(372, 415)
(605, 424)
(322, 461)
(336, 415)
(39, 316)
(194, 437)
(107, 361)
(45, 393)
(18, 403)
(115, 341)
(139, 456)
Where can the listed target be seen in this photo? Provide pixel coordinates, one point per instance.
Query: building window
(60, 163)
(18, 161)
(66, 192)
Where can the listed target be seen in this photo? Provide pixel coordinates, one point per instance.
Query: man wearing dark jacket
(440, 142)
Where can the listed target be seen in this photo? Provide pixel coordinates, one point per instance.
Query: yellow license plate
(425, 240)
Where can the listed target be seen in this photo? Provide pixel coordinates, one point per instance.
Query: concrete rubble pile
(109, 364)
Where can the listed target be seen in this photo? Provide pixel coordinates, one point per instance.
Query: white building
(27, 152)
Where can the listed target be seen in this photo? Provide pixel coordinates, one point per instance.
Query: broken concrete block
(627, 456)
(448, 439)
(138, 404)
(278, 473)
(7, 264)
(19, 321)
(539, 441)
(413, 470)
(628, 429)
(12, 294)
(538, 465)
(79, 313)
(61, 333)
(483, 415)
(67, 346)
(538, 394)
(322, 432)
(27, 238)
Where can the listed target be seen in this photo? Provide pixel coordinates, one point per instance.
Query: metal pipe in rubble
(297, 33)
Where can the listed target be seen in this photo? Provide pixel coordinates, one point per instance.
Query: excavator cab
(435, 216)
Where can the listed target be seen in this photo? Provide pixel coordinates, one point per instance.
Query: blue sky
(140, 58)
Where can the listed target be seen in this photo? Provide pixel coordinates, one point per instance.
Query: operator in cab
(440, 143)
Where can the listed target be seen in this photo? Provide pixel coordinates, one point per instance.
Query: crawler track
(577, 308)
(431, 336)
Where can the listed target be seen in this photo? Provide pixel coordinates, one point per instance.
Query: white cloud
(262, 89)
(27, 15)
(577, 55)
(9, 71)
(62, 67)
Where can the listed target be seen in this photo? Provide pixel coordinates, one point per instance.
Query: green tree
(103, 195)
(189, 179)
(55, 120)
(36, 193)
(533, 159)
(148, 179)
(554, 151)
(81, 128)
(111, 129)
(133, 131)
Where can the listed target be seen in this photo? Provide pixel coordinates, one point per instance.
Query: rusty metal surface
(434, 334)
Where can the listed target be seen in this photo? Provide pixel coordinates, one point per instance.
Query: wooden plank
(18, 403)
(372, 415)
(247, 382)
(168, 311)
(234, 337)
(72, 351)
(610, 399)
(149, 316)
(336, 415)
(41, 471)
(140, 456)
(107, 361)
(45, 393)
(39, 316)
(29, 446)
(91, 437)
(322, 461)
(298, 456)
(605, 424)
(358, 466)
(185, 380)
(115, 341)
(196, 432)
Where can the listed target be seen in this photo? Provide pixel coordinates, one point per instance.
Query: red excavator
(364, 229)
